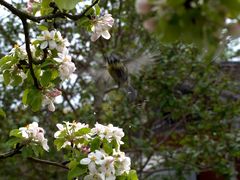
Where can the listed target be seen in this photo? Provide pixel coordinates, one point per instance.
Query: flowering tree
(185, 110)
(39, 66)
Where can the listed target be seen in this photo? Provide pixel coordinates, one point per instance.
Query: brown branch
(29, 54)
(25, 15)
(17, 150)
(82, 14)
(13, 152)
(52, 163)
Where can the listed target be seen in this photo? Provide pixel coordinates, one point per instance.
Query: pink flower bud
(54, 93)
(143, 6)
(29, 6)
(150, 24)
(234, 30)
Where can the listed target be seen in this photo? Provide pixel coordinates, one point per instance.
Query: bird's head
(112, 59)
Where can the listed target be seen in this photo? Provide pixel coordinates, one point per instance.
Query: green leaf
(97, 9)
(46, 78)
(132, 175)
(24, 98)
(2, 113)
(42, 27)
(72, 164)
(55, 74)
(67, 5)
(13, 142)
(7, 77)
(45, 9)
(37, 149)
(77, 171)
(82, 131)
(95, 144)
(122, 177)
(107, 147)
(16, 80)
(5, 59)
(15, 133)
(34, 99)
(26, 152)
(58, 143)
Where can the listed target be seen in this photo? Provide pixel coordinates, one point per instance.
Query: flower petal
(106, 35)
(52, 44)
(44, 45)
(85, 161)
(94, 37)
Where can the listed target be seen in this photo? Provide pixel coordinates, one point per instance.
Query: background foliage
(187, 108)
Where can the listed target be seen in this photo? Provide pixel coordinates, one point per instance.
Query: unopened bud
(150, 24)
(143, 6)
(234, 30)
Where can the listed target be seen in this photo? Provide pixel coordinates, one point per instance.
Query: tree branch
(12, 152)
(29, 54)
(25, 15)
(52, 163)
(82, 14)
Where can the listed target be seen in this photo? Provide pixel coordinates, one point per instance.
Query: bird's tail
(130, 92)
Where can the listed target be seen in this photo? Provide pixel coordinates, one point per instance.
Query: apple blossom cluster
(106, 167)
(70, 134)
(48, 49)
(35, 134)
(101, 26)
(100, 145)
(54, 41)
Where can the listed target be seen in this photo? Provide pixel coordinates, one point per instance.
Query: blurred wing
(136, 64)
(101, 76)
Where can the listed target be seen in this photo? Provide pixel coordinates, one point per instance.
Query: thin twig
(52, 163)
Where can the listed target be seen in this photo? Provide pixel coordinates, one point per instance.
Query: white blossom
(108, 132)
(107, 168)
(35, 134)
(101, 26)
(63, 56)
(49, 102)
(123, 163)
(47, 39)
(52, 40)
(19, 52)
(93, 157)
(66, 69)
